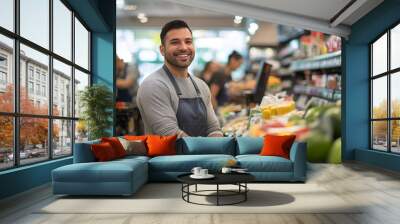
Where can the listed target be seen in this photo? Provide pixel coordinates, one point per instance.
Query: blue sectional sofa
(125, 176)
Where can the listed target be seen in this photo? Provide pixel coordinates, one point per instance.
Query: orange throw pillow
(277, 145)
(103, 151)
(116, 145)
(161, 145)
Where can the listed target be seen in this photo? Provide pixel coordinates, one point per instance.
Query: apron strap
(195, 86)
(177, 89)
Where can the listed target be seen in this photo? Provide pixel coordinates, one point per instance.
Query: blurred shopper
(171, 101)
(209, 69)
(126, 83)
(127, 86)
(219, 80)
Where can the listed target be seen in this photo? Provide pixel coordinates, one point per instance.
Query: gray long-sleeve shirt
(158, 103)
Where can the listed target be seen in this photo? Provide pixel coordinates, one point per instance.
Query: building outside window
(30, 87)
(385, 96)
(30, 72)
(43, 90)
(3, 78)
(34, 53)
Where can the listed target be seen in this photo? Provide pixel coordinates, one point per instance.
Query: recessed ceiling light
(253, 27)
(144, 20)
(130, 7)
(141, 15)
(237, 19)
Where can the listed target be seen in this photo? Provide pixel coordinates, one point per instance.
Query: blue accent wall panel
(24, 178)
(356, 103)
(356, 99)
(377, 158)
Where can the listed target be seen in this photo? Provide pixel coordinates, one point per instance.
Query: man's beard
(175, 62)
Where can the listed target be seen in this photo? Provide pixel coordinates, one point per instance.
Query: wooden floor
(377, 188)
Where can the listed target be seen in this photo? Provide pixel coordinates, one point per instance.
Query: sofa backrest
(83, 152)
(249, 145)
(206, 145)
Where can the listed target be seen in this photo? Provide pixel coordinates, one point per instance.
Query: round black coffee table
(238, 179)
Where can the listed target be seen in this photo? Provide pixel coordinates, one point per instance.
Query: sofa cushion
(257, 163)
(249, 145)
(185, 163)
(206, 145)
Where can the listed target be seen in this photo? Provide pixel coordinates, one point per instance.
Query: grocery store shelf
(324, 93)
(330, 60)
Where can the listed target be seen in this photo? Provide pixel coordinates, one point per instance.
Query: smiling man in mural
(172, 101)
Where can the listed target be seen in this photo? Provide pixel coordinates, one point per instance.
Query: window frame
(16, 114)
(388, 74)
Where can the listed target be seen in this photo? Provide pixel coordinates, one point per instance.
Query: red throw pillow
(277, 145)
(161, 145)
(116, 145)
(103, 151)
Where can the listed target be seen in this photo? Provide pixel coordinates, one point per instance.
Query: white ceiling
(307, 14)
(162, 8)
(321, 9)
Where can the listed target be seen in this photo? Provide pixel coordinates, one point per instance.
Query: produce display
(319, 126)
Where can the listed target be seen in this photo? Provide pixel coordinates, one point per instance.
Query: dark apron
(192, 112)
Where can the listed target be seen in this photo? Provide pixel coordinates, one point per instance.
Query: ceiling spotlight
(237, 19)
(141, 15)
(130, 7)
(253, 27)
(144, 20)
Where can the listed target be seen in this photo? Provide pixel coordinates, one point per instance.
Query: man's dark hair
(236, 55)
(174, 24)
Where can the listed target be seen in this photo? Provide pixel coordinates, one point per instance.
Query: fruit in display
(318, 146)
(312, 114)
(335, 152)
(331, 121)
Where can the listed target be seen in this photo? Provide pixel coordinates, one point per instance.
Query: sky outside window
(7, 14)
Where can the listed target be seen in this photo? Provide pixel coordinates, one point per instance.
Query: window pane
(35, 21)
(379, 135)
(395, 138)
(395, 94)
(6, 142)
(62, 138)
(62, 29)
(379, 55)
(34, 97)
(6, 74)
(62, 89)
(395, 47)
(81, 45)
(81, 81)
(7, 14)
(81, 131)
(33, 139)
(379, 97)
